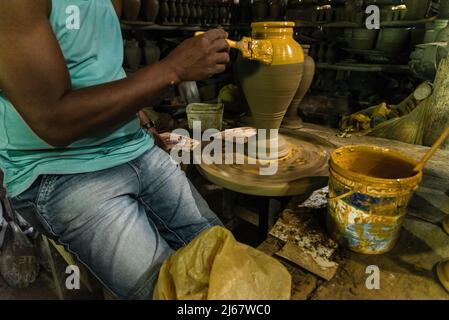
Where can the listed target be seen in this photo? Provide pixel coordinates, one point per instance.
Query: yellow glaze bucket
(369, 191)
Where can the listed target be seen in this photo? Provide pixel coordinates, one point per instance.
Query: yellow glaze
(280, 33)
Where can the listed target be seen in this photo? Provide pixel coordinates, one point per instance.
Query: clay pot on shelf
(150, 9)
(269, 89)
(392, 40)
(118, 6)
(292, 120)
(131, 9)
(164, 11)
(362, 39)
(152, 52)
(133, 54)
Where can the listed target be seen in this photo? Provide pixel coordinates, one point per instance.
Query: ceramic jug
(150, 9)
(131, 9)
(270, 88)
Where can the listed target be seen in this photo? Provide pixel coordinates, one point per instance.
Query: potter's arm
(35, 78)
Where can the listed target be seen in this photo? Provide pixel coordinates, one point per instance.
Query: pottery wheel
(304, 169)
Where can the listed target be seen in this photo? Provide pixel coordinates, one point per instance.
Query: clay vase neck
(269, 89)
(131, 9)
(150, 9)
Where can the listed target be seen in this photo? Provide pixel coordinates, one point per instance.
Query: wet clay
(269, 90)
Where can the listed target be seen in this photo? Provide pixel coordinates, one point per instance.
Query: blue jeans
(121, 223)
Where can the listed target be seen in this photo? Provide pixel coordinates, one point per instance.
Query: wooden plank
(324, 268)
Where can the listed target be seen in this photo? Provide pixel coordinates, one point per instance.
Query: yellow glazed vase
(270, 88)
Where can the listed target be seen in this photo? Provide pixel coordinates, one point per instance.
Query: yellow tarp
(214, 266)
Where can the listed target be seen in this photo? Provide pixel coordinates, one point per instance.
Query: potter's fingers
(221, 58)
(215, 34)
(219, 68)
(220, 45)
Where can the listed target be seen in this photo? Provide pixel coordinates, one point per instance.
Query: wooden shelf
(142, 25)
(365, 67)
(348, 24)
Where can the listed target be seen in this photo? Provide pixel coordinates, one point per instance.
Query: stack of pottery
(131, 9)
(134, 10)
(134, 55)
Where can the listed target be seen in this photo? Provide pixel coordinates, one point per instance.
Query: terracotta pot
(269, 89)
(131, 9)
(118, 6)
(292, 120)
(133, 54)
(150, 9)
(152, 52)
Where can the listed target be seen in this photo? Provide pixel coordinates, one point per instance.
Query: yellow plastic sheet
(214, 266)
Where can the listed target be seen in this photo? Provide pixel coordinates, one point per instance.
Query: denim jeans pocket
(29, 203)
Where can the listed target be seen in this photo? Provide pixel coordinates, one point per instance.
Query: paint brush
(260, 50)
(420, 166)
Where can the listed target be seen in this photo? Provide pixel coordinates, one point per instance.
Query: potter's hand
(200, 57)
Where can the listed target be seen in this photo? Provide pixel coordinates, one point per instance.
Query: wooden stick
(420, 166)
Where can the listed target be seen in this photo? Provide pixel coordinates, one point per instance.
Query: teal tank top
(94, 55)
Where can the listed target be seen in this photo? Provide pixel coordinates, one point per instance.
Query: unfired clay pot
(150, 9)
(269, 89)
(131, 9)
(152, 52)
(133, 54)
(118, 6)
(292, 120)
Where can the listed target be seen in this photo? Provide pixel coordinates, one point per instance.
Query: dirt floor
(408, 272)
